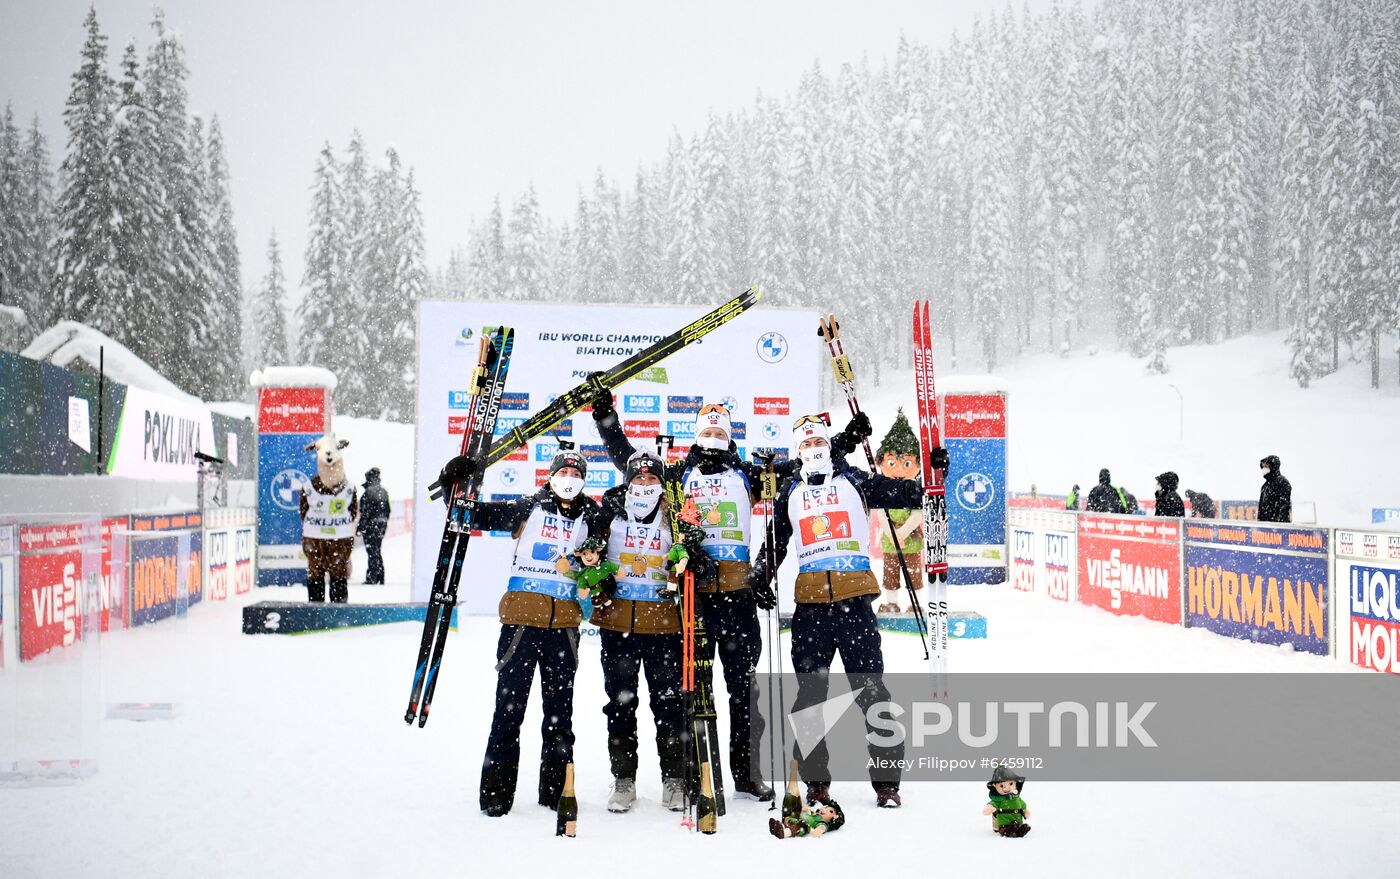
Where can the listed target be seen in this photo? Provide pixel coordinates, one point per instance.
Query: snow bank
(1070, 416)
(292, 377)
(68, 342)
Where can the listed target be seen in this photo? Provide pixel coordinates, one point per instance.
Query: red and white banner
(292, 410)
(50, 587)
(974, 416)
(1131, 566)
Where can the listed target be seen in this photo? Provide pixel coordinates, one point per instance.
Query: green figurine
(595, 572)
(822, 818)
(1008, 810)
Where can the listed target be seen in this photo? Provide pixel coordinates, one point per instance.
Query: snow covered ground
(290, 758)
(1071, 416)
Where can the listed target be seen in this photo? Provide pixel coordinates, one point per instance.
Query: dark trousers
(625, 656)
(374, 553)
(731, 622)
(818, 632)
(519, 650)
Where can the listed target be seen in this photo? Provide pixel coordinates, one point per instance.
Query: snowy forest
(137, 237)
(1159, 172)
(1147, 172)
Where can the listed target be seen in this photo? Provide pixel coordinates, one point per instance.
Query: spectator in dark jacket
(1202, 507)
(1104, 498)
(1276, 494)
(374, 521)
(1168, 501)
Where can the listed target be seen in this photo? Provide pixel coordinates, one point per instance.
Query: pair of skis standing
(464, 510)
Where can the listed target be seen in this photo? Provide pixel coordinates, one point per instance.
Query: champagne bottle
(567, 819)
(705, 809)
(792, 801)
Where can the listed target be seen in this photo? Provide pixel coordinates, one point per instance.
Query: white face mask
(816, 460)
(567, 487)
(712, 442)
(642, 499)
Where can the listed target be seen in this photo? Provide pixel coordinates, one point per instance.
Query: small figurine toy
(1008, 810)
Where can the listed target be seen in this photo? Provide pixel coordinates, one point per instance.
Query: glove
(939, 458)
(602, 402)
(763, 594)
(607, 588)
(859, 427)
(455, 471)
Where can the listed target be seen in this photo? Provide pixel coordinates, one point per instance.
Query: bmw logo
(510, 476)
(467, 333)
(975, 492)
(286, 486)
(771, 430)
(772, 347)
(730, 403)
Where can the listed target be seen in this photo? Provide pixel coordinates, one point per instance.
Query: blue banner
(976, 510)
(1257, 583)
(284, 465)
(155, 565)
(1385, 515)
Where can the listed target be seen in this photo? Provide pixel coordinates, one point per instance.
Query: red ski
(935, 499)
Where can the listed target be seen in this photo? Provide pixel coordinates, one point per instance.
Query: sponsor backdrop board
(974, 430)
(1259, 583)
(764, 365)
(1368, 599)
(1131, 565)
(289, 419)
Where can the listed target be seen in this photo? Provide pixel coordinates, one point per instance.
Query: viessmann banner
(764, 365)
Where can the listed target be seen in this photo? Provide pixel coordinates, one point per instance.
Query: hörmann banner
(1368, 599)
(764, 366)
(1259, 583)
(1130, 565)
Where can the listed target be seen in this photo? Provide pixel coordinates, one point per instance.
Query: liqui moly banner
(1260, 583)
(1130, 566)
(1043, 552)
(764, 366)
(1368, 594)
(289, 419)
(974, 431)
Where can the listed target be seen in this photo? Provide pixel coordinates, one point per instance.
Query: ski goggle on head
(713, 415)
(810, 426)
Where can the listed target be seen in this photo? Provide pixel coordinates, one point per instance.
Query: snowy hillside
(1071, 416)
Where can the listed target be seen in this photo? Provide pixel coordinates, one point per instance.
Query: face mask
(567, 487)
(712, 442)
(641, 499)
(816, 461)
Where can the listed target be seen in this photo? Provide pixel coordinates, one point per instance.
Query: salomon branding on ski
(487, 384)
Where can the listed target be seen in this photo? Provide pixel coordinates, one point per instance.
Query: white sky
(480, 98)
